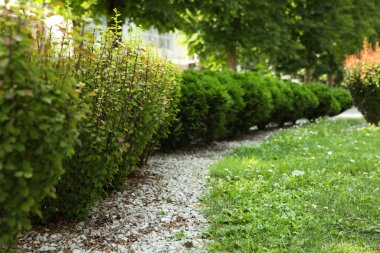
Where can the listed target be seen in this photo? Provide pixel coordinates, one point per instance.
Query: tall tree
(164, 15)
(327, 32)
(219, 29)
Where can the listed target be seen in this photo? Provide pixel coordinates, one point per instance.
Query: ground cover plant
(313, 188)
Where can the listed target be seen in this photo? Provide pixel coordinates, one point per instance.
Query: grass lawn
(314, 188)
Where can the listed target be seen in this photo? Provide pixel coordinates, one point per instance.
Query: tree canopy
(292, 36)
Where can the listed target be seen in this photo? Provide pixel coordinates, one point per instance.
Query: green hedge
(258, 101)
(74, 120)
(129, 95)
(219, 105)
(202, 110)
(343, 97)
(38, 118)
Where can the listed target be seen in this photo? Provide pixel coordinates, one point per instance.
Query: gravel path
(158, 212)
(352, 113)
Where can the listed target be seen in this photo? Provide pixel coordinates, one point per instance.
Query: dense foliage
(298, 37)
(328, 105)
(307, 189)
(130, 95)
(77, 115)
(218, 105)
(362, 79)
(343, 97)
(38, 118)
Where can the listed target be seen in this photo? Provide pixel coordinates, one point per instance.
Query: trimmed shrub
(362, 80)
(38, 117)
(343, 97)
(202, 110)
(282, 100)
(335, 107)
(219, 105)
(236, 103)
(305, 102)
(129, 94)
(258, 101)
(328, 105)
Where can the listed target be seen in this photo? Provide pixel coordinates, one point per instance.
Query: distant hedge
(218, 105)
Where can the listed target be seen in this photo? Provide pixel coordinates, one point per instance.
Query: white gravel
(158, 212)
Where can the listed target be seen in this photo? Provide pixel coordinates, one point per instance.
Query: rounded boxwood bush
(282, 99)
(305, 102)
(237, 103)
(258, 101)
(189, 125)
(335, 107)
(202, 110)
(38, 117)
(343, 97)
(327, 103)
(219, 103)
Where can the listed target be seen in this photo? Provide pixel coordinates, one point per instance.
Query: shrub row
(77, 114)
(129, 97)
(219, 105)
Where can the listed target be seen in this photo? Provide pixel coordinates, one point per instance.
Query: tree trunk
(308, 75)
(232, 61)
(330, 79)
(272, 64)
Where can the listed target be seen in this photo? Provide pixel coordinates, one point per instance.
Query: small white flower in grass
(329, 153)
(270, 170)
(298, 173)
(312, 158)
(352, 161)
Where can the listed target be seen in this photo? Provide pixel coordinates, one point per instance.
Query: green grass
(314, 188)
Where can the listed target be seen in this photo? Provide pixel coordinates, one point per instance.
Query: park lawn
(314, 188)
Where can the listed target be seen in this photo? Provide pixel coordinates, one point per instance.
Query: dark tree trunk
(308, 75)
(330, 79)
(232, 60)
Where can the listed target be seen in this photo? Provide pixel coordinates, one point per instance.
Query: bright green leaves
(38, 113)
(306, 189)
(129, 95)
